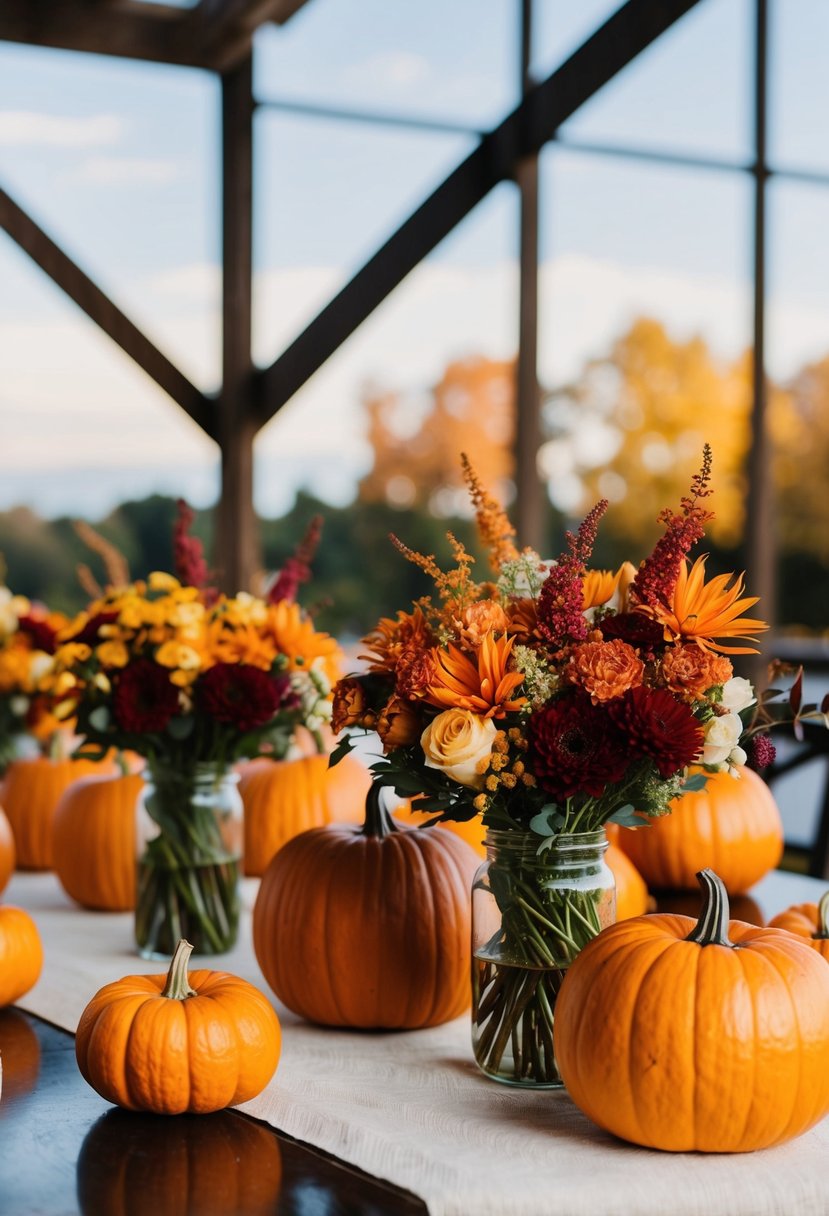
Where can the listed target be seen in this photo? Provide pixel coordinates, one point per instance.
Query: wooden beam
(161, 33)
(107, 315)
(237, 542)
(629, 31)
(224, 29)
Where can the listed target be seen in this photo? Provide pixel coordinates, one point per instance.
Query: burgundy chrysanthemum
(762, 751)
(41, 634)
(656, 725)
(144, 700)
(575, 748)
(640, 632)
(242, 696)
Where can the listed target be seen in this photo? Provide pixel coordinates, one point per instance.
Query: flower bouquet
(551, 699)
(193, 681)
(28, 634)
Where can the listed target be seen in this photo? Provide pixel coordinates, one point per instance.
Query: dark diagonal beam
(546, 106)
(107, 316)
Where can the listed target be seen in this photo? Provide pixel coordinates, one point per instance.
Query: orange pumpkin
(285, 797)
(668, 1036)
(175, 1043)
(31, 790)
(368, 926)
(631, 891)
(21, 954)
(686, 903)
(809, 921)
(6, 851)
(93, 839)
(19, 1057)
(472, 830)
(731, 826)
(222, 1163)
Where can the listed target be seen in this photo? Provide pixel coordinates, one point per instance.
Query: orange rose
(398, 724)
(350, 708)
(605, 669)
(689, 671)
(486, 616)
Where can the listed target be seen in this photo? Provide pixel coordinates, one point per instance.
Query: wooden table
(63, 1150)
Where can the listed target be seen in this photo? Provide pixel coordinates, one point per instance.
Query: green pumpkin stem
(178, 987)
(823, 918)
(379, 822)
(712, 927)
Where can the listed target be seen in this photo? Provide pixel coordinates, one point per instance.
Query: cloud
(399, 70)
(26, 128)
(200, 282)
(126, 171)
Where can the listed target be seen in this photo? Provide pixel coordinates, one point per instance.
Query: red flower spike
(560, 616)
(297, 568)
(188, 552)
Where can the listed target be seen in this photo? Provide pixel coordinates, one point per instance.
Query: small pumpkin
(284, 797)
(21, 954)
(368, 926)
(471, 830)
(632, 897)
(809, 921)
(732, 826)
(176, 1043)
(6, 851)
(31, 790)
(93, 841)
(222, 1163)
(667, 1035)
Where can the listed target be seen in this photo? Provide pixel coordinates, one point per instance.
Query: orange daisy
(485, 686)
(295, 636)
(703, 612)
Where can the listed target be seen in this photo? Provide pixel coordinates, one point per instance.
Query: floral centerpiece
(28, 634)
(551, 699)
(194, 681)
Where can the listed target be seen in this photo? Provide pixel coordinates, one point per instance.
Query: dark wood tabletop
(64, 1150)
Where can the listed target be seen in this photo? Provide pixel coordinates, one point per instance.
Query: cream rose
(721, 738)
(737, 694)
(455, 742)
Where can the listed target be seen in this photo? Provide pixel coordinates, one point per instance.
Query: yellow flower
(702, 612)
(177, 654)
(113, 654)
(71, 653)
(161, 581)
(598, 586)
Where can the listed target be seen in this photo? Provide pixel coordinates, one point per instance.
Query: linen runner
(411, 1108)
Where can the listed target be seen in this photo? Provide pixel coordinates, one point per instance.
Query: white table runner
(412, 1109)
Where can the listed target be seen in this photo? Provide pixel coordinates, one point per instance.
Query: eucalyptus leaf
(100, 718)
(628, 817)
(181, 727)
(694, 783)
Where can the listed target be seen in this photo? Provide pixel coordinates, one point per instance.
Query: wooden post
(529, 508)
(237, 553)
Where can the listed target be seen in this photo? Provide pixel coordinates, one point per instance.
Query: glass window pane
(799, 84)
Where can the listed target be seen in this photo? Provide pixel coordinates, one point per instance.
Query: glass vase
(531, 914)
(189, 860)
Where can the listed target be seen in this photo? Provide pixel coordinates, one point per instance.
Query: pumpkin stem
(379, 822)
(178, 985)
(712, 927)
(823, 918)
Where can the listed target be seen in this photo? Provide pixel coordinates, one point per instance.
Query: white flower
(721, 738)
(455, 742)
(737, 694)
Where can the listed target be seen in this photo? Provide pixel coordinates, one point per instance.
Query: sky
(119, 162)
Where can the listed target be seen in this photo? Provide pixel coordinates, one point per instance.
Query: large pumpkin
(470, 830)
(222, 1163)
(6, 851)
(669, 1036)
(632, 897)
(93, 838)
(176, 1043)
(31, 790)
(285, 797)
(809, 921)
(368, 926)
(732, 826)
(21, 954)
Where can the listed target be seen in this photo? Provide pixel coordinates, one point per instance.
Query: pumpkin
(809, 921)
(686, 903)
(667, 1035)
(732, 826)
(31, 790)
(222, 1163)
(631, 892)
(177, 1043)
(284, 797)
(19, 1057)
(471, 830)
(368, 926)
(21, 954)
(6, 851)
(93, 840)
